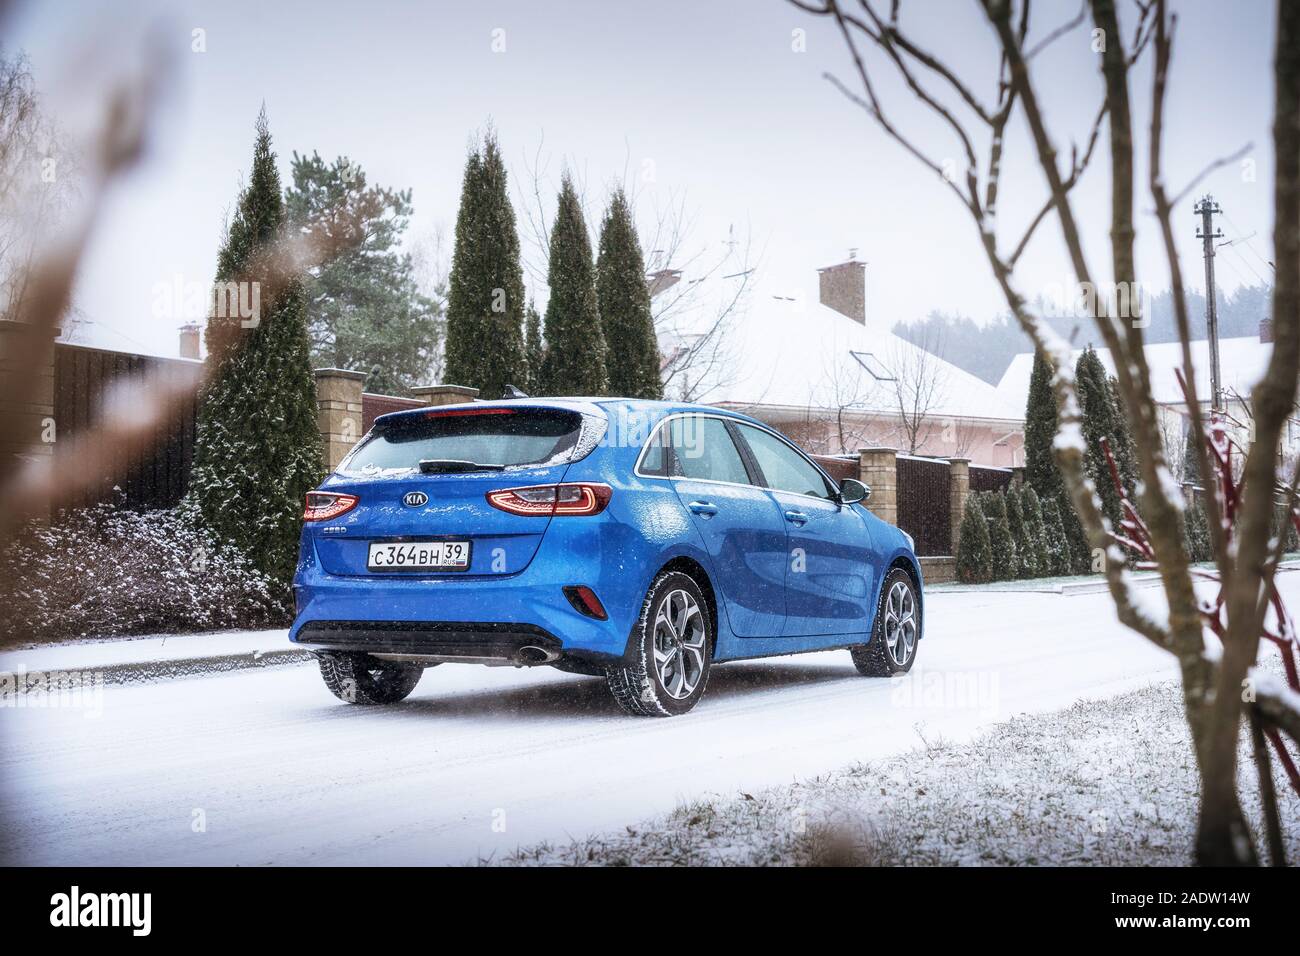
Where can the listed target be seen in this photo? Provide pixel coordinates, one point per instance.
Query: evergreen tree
(1026, 566)
(1005, 561)
(534, 350)
(257, 449)
(1057, 548)
(1041, 471)
(1033, 511)
(974, 555)
(1196, 531)
(575, 342)
(1122, 444)
(632, 356)
(1099, 414)
(364, 309)
(485, 300)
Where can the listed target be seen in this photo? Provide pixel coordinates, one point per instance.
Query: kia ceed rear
(642, 542)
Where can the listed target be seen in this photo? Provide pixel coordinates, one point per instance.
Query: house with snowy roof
(1242, 361)
(836, 379)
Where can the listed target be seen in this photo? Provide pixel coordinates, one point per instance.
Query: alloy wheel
(679, 644)
(900, 623)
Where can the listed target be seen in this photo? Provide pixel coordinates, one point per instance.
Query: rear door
(408, 511)
(741, 525)
(829, 578)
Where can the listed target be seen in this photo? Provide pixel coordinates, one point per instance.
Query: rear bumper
(503, 644)
(479, 618)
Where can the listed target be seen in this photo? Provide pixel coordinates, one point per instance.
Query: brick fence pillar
(338, 411)
(878, 470)
(31, 427)
(958, 492)
(445, 394)
(1018, 475)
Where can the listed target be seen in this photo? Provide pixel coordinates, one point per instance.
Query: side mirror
(852, 491)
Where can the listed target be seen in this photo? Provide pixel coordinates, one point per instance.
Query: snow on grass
(1109, 782)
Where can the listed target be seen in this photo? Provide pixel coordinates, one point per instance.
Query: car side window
(654, 461)
(703, 449)
(784, 469)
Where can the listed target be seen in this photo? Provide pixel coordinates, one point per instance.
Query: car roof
(600, 406)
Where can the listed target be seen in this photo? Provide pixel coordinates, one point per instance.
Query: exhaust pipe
(531, 655)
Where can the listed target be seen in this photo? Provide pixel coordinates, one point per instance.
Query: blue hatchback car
(639, 541)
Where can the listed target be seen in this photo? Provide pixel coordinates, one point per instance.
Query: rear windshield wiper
(453, 466)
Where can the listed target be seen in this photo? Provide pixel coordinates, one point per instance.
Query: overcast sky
(719, 101)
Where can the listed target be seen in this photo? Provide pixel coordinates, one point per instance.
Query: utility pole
(1206, 209)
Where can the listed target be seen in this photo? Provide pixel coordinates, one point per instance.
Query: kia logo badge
(413, 499)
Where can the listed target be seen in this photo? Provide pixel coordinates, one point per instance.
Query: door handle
(706, 508)
(796, 517)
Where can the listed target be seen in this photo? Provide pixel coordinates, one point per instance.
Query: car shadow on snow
(571, 696)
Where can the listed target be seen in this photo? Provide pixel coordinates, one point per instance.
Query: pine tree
(575, 342)
(632, 356)
(257, 449)
(974, 555)
(1005, 561)
(364, 307)
(534, 350)
(1026, 565)
(485, 300)
(1033, 511)
(1057, 548)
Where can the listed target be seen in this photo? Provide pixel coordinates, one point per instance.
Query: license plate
(419, 556)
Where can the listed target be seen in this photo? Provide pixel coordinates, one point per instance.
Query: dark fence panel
(838, 467)
(372, 406)
(155, 478)
(983, 478)
(925, 504)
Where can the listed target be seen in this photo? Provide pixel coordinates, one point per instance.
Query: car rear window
(505, 437)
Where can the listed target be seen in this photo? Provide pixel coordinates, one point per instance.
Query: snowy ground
(264, 766)
(1110, 782)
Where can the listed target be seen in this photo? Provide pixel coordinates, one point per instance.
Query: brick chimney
(190, 341)
(657, 282)
(843, 287)
(1266, 330)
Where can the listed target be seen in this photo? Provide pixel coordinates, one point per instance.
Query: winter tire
(671, 643)
(362, 679)
(896, 632)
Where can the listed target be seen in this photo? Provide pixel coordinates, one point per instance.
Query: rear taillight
(576, 498)
(323, 505)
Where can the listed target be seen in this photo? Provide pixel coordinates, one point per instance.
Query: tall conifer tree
(485, 299)
(575, 342)
(632, 359)
(257, 449)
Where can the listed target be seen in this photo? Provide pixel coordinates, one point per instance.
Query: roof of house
(791, 351)
(1242, 361)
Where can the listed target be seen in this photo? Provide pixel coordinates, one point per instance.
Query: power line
(1237, 229)
(1231, 246)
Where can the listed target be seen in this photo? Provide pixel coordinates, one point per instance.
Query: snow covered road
(264, 766)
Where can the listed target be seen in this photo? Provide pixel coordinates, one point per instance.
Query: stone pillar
(878, 470)
(958, 492)
(1018, 475)
(338, 411)
(30, 428)
(445, 394)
